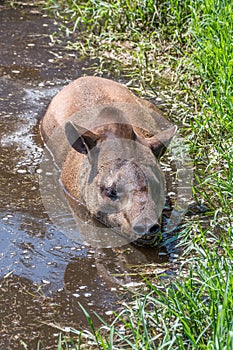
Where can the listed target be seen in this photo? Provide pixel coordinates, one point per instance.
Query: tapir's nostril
(154, 229)
(141, 229)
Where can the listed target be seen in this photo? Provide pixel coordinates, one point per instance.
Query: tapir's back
(86, 93)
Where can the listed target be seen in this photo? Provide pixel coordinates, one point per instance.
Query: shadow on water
(43, 274)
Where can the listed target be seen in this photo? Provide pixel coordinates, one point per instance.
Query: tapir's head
(120, 179)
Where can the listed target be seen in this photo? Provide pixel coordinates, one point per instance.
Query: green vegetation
(184, 51)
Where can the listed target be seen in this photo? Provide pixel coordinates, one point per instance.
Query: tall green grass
(124, 33)
(183, 48)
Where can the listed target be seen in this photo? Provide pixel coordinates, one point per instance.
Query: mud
(43, 274)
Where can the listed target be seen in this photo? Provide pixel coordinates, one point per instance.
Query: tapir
(115, 140)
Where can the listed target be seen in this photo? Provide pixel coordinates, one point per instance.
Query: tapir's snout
(148, 234)
(145, 228)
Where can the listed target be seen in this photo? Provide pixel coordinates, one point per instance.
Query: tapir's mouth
(149, 240)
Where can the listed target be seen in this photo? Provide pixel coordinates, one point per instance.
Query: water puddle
(43, 274)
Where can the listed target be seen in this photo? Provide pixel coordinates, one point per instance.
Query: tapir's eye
(110, 192)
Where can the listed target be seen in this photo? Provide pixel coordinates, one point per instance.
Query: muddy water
(43, 274)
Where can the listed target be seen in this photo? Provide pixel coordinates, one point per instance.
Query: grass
(183, 51)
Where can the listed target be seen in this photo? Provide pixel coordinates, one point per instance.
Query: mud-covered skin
(84, 93)
(111, 168)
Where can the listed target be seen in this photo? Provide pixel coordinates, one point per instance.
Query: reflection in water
(31, 315)
(30, 247)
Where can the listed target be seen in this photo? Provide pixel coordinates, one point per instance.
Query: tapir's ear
(81, 139)
(160, 142)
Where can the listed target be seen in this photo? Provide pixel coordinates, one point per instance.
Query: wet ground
(43, 274)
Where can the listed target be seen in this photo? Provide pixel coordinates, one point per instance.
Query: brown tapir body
(112, 166)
